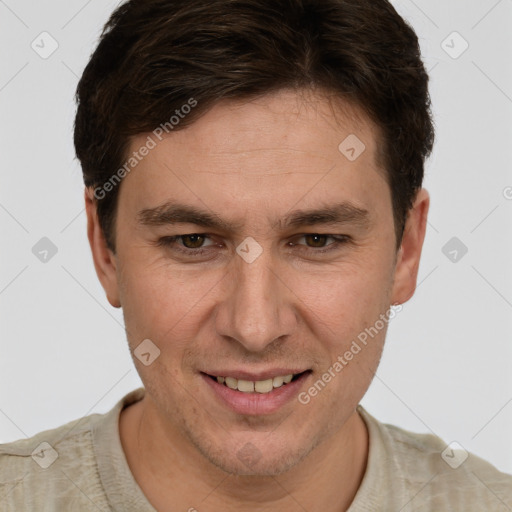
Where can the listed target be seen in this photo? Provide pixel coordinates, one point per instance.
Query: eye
(318, 241)
(192, 243)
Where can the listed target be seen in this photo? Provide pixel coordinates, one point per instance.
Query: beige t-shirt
(83, 468)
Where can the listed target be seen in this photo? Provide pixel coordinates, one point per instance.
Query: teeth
(246, 386)
(263, 386)
(231, 383)
(260, 386)
(278, 382)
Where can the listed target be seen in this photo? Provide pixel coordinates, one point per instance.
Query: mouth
(257, 386)
(255, 395)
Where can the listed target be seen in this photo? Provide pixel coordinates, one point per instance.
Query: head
(287, 138)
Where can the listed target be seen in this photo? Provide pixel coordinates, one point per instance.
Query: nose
(257, 307)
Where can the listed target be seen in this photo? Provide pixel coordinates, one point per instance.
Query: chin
(252, 457)
(249, 461)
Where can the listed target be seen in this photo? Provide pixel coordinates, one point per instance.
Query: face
(289, 257)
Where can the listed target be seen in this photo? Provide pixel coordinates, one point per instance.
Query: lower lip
(256, 403)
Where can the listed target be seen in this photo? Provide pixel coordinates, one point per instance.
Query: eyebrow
(172, 213)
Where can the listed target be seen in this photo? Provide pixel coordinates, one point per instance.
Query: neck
(326, 480)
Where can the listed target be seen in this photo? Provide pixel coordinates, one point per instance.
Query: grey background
(446, 365)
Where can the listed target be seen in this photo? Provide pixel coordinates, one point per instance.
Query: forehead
(277, 150)
(305, 121)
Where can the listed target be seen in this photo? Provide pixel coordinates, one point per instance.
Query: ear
(408, 257)
(104, 259)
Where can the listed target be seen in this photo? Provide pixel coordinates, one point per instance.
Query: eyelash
(169, 241)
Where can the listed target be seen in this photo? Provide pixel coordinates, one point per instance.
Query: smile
(260, 395)
(258, 386)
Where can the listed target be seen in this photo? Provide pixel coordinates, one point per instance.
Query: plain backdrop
(446, 366)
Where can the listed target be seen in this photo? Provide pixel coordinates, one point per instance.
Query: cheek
(161, 301)
(345, 300)
(357, 331)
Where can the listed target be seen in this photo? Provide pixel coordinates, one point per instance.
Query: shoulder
(59, 462)
(436, 475)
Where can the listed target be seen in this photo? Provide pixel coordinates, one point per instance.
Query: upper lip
(255, 376)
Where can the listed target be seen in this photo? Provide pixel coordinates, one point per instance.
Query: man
(253, 175)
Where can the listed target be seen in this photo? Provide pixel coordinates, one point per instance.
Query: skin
(254, 162)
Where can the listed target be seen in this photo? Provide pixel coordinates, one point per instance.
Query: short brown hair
(155, 55)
